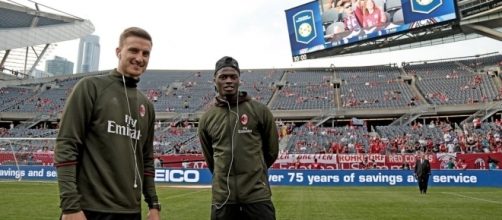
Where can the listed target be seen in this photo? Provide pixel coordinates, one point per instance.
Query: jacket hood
(243, 97)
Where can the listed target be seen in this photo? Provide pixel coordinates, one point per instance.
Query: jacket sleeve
(206, 144)
(70, 139)
(149, 191)
(270, 138)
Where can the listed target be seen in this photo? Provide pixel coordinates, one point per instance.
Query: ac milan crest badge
(142, 110)
(244, 119)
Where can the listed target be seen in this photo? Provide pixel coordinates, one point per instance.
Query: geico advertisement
(492, 178)
(346, 177)
(182, 176)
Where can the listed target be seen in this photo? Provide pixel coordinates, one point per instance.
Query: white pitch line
(184, 194)
(469, 197)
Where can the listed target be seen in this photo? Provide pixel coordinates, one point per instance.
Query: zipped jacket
(104, 148)
(239, 142)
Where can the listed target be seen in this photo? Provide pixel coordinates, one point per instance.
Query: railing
(413, 114)
(484, 113)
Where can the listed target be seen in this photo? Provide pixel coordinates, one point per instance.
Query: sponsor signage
(486, 178)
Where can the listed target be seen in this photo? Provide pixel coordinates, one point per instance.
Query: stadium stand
(11, 96)
(305, 89)
(289, 92)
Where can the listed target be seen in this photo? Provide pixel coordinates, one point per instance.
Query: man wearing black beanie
(239, 140)
(227, 61)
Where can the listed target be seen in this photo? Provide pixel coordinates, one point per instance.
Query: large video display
(324, 24)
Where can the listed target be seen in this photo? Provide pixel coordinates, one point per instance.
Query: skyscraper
(59, 66)
(88, 54)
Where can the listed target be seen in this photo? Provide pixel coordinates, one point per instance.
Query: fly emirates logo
(128, 130)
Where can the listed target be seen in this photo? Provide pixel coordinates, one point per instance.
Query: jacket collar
(129, 81)
(221, 102)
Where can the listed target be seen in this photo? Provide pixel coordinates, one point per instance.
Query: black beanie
(227, 61)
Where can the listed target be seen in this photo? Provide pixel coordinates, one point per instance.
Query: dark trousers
(254, 211)
(423, 181)
(90, 215)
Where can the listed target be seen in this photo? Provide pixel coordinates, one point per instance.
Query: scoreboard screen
(325, 24)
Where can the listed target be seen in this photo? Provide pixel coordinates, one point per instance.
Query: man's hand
(153, 214)
(74, 216)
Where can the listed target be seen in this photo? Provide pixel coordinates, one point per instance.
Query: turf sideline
(184, 186)
(469, 197)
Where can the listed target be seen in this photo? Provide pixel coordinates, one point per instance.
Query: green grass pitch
(33, 200)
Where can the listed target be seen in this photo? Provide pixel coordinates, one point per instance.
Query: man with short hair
(104, 149)
(422, 172)
(239, 140)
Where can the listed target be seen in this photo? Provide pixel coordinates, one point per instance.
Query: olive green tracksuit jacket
(94, 148)
(253, 136)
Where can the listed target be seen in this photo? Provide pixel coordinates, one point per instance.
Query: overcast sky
(194, 34)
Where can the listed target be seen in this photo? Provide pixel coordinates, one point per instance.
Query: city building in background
(36, 73)
(59, 66)
(88, 54)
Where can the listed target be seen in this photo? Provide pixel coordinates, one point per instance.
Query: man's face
(227, 81)
(133, 55)
(422, 156)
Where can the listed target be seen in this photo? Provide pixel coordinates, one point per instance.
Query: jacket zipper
(232, 145)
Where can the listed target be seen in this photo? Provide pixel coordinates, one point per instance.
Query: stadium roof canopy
(29, 33)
